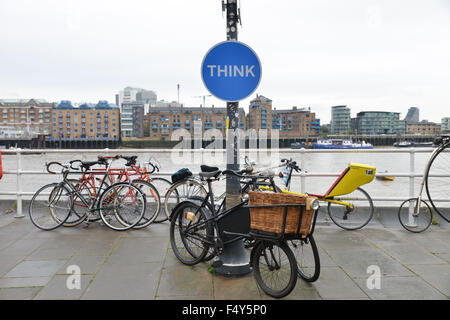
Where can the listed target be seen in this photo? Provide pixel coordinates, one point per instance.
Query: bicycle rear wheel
(438, 187)
(187, 236)
(307, 257)
(79, 209)
(274, 268)
(163, 186)
(412, 220)
(152, 206)
(352, 218)
(122, 206)
(50, 206)
(181, 191)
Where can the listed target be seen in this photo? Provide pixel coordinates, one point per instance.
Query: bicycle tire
(105, 207)
(415, 226)
(185, 251)
(181, 193)
(307, 257)
(436, 185)
(163, 186)
(151, 207)
(335, 212)
(273, 262)
(48, 210)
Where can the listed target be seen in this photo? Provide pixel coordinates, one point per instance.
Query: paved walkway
(139, 264)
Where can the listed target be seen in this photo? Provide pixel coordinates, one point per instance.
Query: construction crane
(204, 97)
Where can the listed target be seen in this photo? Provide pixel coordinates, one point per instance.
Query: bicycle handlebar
(48, 165)
(291, 164)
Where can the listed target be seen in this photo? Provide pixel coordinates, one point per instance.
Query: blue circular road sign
(231, 71)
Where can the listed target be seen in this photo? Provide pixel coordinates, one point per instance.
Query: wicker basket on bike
(282, 214)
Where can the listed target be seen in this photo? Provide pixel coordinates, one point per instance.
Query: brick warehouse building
(291, 123)
(25, 117)
(87, 125)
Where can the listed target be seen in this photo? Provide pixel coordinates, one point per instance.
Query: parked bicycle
(415, 214)
(121, 205)
(196, 227)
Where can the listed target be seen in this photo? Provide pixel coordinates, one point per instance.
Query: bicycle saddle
(206, 168)
(88, 164)
(130, 160)
(209, 172)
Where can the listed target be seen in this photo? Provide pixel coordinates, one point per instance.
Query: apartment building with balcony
(99, 121)
(378, 122)
(132, 120)
(341, 122)
(260, 114)
(26, 116)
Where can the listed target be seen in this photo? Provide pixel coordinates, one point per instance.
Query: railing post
(302, 166)
(412, 170)
(19, 213)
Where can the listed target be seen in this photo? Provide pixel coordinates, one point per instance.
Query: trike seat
(354, 176)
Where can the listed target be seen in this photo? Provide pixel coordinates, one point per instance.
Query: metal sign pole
(235, 261)
(232, 186)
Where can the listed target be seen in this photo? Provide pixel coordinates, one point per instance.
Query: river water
(172, 161)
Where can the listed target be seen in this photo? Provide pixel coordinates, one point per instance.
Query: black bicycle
(196, 227)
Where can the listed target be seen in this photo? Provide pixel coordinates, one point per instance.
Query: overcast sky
(366, 54)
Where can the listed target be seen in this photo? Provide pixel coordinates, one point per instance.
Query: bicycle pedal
(85, 225)
(217, 263)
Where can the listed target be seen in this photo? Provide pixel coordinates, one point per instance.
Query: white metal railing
(19, 172)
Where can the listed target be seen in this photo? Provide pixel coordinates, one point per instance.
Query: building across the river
(25, 117)
(163, 121)
(99, 122)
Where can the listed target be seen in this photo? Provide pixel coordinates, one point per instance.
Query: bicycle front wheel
(50, 206)
(349, 218)
(122, 206)
(274, 268)
(437, 184)
(414, 217)
(307, 257)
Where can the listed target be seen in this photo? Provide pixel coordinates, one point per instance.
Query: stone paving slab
(139, 264)
(120, 279)
(19, 293)
(87, 264)
(436, 275)
(334, 283)
(401, 288)
(24, 282)
(44, 268)
(355, 262)
(52, 291)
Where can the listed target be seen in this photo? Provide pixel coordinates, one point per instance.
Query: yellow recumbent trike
(349, 206)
